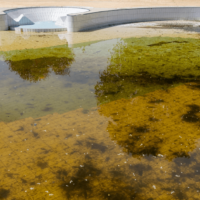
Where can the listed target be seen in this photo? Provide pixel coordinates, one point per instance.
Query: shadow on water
(85, 184)
(4, 194)
(191, 115)
(163, 43)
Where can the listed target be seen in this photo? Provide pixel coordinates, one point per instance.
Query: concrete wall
(28, 16)
(3, 22)
(95, 20)
(78, 19)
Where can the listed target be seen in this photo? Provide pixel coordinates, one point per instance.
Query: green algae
(159, 57)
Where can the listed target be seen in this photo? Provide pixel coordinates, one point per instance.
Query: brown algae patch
(158, 123)
(119, 154)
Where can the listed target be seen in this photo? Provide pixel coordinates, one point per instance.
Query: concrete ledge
(76, 19)
(96, 20)
(29, 16)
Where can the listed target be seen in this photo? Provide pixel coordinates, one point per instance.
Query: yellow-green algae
(160, 57)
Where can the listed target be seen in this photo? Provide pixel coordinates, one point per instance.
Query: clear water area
(42, 25)
(115, 119)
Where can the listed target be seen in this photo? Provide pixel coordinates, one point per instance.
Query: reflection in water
(38, 69)
(36, 64)
(18, 98)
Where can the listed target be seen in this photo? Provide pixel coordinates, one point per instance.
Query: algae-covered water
(115, 119)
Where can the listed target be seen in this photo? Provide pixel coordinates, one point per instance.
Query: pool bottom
(44, 26)
(79, 155)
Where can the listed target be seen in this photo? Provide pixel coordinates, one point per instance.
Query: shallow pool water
(115, 119)
(42, 25)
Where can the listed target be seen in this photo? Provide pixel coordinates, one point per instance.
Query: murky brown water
(115, 119)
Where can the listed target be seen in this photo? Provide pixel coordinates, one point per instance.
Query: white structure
(75, 19)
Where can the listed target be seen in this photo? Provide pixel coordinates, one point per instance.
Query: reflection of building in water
(68, 37)
(37, 64)
(6, 38)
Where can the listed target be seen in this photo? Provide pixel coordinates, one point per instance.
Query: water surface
(115, 119)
